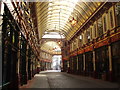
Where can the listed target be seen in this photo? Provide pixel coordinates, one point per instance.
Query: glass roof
(53, 35)
(56, 15)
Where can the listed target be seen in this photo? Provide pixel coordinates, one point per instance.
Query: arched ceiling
(51, 47)
(56, 15)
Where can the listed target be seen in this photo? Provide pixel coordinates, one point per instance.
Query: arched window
(88, 36)
(91, 36)
(111, 19)
(80, 40)
(117, 13)
(95, 34)
(104, 22)
(100, 27)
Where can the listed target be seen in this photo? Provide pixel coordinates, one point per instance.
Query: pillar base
(15, 82)
(25, 77)
(77, 72)
(111, 78)
(29, 75)
(84, 73)
(94, 74)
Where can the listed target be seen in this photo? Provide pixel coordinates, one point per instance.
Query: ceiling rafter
(45, 14)
(50, 14)
(49, 23)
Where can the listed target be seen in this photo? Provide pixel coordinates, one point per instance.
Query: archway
(54, 49)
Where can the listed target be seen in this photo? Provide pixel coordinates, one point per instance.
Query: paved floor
(57, 79)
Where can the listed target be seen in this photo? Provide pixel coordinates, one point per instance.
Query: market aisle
(57, 79)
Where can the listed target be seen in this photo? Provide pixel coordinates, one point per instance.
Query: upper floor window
(111, 19)
(72, 46)
(80, 37)
(75, 45)
(95, 34)
(88, 35)
(65, 43)
(117, 12)
(91, 34)
(104, 22)
(80, 40)
(100, 27)
(8, 32)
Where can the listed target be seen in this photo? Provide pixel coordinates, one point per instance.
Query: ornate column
(32, 65)
(1, 21)
(24, 61)
(84, 63)
(94, 67)
(27, 62)
(18, 61)
(96, 29)
(110, 62)
(77, 65)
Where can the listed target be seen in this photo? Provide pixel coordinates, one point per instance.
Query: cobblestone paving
(51, 79)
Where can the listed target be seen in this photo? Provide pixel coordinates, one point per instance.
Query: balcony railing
(105, 35)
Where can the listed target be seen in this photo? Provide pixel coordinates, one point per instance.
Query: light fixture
(59, 42)
(80, 37)
(73, 21)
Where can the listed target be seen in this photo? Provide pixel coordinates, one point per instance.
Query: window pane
(117, 11)
(80, 40)
(100, 27)
(88, 35)
(91, 33)
(111, 19)
(105, 24)
(95, 30)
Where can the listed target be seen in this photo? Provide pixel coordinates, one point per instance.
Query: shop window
(89, 63)
(111, 19)
(100, 27)
(116, 49)
(117, 12)
(9, 51)
(104, 21)
(102, 61)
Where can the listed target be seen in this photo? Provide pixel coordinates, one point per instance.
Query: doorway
(116, 61)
